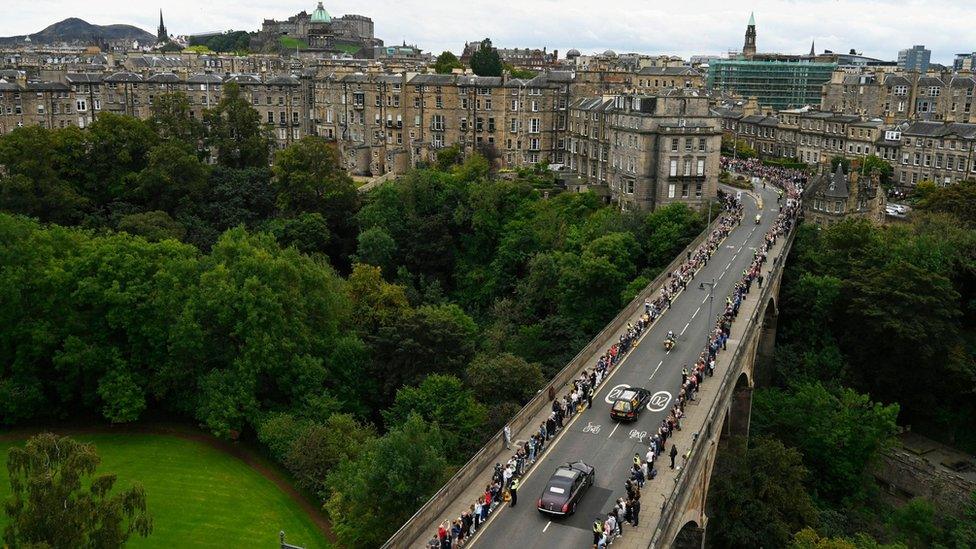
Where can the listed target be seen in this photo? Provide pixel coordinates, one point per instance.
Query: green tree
(914, 311)
(874, 165)
(808, 538)
(416, 344)
(842, 161)
(915, 523)
(517, 72)
(310, 179)
(486, 61)
(446, 62)
(449, 157)
(117, 148)
(393, 476)
(56, 501)
(376, 247)
(281, 309)
(839, 433)
(442, 400)
(33, 183)
(375, 302)
(153, 226)
(504, 378)
(318, 448)
(172, 119)
(308, 233)
(760, 490)
(172, 177)
(958, 200)
(234, 197)
(235, 133)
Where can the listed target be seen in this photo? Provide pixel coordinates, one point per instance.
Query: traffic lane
(583, 439)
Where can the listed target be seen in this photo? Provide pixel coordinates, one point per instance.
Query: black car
(630, 403)
(565, 488)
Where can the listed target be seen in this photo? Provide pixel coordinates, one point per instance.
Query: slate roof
(837, 184)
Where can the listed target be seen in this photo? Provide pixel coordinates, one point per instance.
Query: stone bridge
(682, 517)
(674, 510)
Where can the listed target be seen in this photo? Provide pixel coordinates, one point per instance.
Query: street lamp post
(711, 297)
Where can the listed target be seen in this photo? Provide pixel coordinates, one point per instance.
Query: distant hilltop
(73, 30)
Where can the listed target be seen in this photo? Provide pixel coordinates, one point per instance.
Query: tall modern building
(964, 61)
(775, 80)
(777, 84)
(915, 58)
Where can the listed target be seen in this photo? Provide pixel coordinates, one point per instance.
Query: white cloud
(875, 27)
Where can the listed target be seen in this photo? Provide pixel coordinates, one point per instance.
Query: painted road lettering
(590, 428)
(659, 401)
(614, 393)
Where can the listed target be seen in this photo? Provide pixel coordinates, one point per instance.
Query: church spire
(813, 50)
(161, 34)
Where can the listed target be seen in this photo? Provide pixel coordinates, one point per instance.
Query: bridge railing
(431, 512)
(716, 411)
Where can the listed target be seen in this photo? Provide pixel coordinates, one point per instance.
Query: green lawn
(198, 495)
(290, 43)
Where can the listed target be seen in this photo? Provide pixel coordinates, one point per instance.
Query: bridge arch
(764, 362)
(771, 310)
(691, 534)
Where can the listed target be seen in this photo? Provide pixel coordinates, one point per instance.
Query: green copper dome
(320, 15)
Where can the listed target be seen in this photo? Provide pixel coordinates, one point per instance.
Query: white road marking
(730, 263)
(614, 430)
(722, 275)
(696, 312)
(704, 300)
(683, 329)
(547, 527)
(655, 370)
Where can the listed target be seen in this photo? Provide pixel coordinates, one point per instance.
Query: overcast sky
(877, 28)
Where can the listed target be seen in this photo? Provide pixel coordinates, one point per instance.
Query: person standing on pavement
(513, 490)
(508, 437)
(673, 454)
(597, 530)
(635, 511)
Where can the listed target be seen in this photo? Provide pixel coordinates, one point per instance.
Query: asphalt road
(609, 446)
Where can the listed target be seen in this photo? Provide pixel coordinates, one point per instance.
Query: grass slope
(290, 43)
(198, 495)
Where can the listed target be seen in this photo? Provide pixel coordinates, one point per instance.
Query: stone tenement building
(280, 100)
(902, 95)
(649, 150)
(920, 150)
(388, 122)
(831, 198)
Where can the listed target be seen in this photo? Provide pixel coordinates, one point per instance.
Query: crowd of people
(789, 183)
(506, 478)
